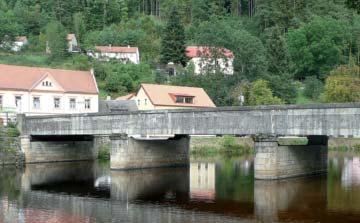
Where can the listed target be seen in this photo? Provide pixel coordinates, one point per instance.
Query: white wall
(142, 100)
(47, 102)
(132, 57)
(202, 64)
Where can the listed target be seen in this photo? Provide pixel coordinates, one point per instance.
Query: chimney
(110, 46)
(128, 46)
(108, 98)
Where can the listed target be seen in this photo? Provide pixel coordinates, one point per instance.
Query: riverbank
(10, 151)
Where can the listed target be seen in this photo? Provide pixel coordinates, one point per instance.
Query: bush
(313, 87)
(261, 94)
(343, 85)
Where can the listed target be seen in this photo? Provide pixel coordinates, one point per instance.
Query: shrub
(313, 87)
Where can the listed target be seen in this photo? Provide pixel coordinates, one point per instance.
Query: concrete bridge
(71, 137)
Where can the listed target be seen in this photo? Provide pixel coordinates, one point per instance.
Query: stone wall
(10, 152)
(129, 153)
(273, 161)
(57, 151)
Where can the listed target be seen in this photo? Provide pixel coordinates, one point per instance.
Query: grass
(301, 98)
(104, 153)
(354, 148)
(227, 148)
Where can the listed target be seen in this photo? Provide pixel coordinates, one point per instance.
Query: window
(1, 101)
(18, 101)
(36, 102)
(87, 104)
(184, 99)
(72, 103)
(139, 102)
(145, 101)
(56, 103)
(46, 83)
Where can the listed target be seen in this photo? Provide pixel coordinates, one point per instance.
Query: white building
(45, 91)
(20, 42)
(72, 43)
(123, 54)
(210, 59)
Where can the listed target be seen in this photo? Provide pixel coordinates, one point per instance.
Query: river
(220, 190)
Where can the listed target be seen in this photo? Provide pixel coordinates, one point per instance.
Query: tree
(343, 85)
(173, 41)
(56, 39)
(79, 26)
(354, 4)
(261, 94)
(8, 29)
(313, 87)
(318, 47)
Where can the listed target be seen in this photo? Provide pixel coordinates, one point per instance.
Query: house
(45, 91)
(155, 96)
(72, 43)
(123, 54)
(209, 59)
(20, 42)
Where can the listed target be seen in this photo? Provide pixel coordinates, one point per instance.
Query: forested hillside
(286, 51)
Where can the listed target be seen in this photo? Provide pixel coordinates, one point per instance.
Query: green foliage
(261, 94)
(104, 152)
(317, 46)
(56, 38)
(313, 87)
(343, 85)
(124, 78)
(282, 87)
(354, 4)
(79, 26)
(173, 41)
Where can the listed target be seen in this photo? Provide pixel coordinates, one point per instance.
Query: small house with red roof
(210, 59)
(125, 54)
(156, 96)
(45, 91)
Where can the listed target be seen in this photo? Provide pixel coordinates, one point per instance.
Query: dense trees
(279, 42)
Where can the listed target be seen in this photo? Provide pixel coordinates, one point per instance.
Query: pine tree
(173, 40)
(56, 39)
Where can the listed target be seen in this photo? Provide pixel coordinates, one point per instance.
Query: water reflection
(219, 191)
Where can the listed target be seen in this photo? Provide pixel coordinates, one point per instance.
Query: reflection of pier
(172, 194)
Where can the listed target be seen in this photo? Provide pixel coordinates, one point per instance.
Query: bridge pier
(130, 153)
(57, 148)
(274, 161)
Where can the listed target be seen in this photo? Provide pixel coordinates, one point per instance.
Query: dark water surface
(220, 191)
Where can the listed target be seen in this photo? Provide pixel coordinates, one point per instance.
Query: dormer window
(184, 99)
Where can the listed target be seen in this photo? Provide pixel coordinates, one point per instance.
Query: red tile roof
(26, 78)
(126, 97)
(162, 95)
(202, 51)
(116, 49)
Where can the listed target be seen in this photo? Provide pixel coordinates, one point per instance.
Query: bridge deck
(298, 120)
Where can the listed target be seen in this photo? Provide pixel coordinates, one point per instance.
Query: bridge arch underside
(43, 149)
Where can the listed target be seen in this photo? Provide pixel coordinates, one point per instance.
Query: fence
(7, 115)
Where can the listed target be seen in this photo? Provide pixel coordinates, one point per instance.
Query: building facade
(44, 91)
(72, 43)
(209, 60)
(122, 54)
(155, 96)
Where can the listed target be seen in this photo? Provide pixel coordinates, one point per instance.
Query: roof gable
(47, 83)
(165, 95)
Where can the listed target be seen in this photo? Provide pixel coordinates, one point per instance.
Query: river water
(221, 190)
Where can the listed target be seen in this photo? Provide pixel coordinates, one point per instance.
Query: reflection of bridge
(161, 195)
(50, 135)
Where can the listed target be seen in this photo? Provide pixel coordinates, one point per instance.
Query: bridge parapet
(340, 120)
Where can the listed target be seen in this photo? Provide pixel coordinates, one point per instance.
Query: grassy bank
(225, 146)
